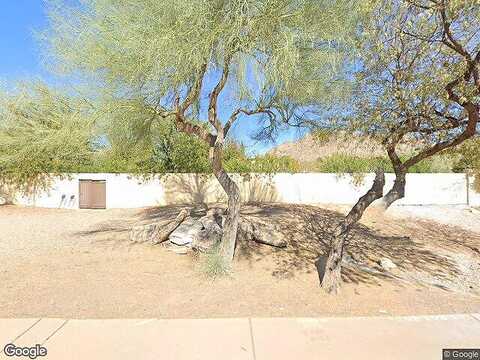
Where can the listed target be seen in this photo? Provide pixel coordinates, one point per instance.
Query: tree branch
(470, 130)
(194, 91)
(212, 107)
(187, 126)
(234, 116)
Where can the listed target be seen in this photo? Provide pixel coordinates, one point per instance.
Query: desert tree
(422, 79)
(137, 144)
(43, 133)
(205, 64)
(418, 80)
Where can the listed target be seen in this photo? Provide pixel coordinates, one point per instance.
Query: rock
(261, 232)
(387, 264)
(156, 233)
(181, 250)
(210, 234)
(204, 233)
(143, 233)
(186, 232)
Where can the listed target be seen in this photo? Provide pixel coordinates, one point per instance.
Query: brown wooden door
(83, 194)
(98, 194)
(92, 194)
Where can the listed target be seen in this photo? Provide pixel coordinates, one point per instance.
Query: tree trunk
(331, 272)
(230, 228)
(398, 190)
(332, 276)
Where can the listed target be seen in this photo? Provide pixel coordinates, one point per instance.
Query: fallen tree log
(156, 233)
(249, 229)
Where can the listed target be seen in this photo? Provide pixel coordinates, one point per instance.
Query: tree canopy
(204, 64)
(42, 133)
(418, 76)
(172, 54)
(418, 79)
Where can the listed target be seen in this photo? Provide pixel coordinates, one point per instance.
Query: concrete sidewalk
(414, 337)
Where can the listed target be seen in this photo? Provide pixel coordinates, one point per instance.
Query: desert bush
(341, 163)
(467, 158)
(237, 161)
(274, 164)
(42, 133)
(212, 264)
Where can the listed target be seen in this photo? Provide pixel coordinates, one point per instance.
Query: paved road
(386, 338)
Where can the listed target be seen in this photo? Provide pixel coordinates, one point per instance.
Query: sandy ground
(80, 264)
(462, 216)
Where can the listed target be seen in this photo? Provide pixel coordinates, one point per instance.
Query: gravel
(454, 215)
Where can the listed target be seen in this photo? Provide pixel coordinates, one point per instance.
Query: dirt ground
(80, 264)
(462, 216)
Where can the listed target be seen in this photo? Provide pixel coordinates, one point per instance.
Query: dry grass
(212, 264)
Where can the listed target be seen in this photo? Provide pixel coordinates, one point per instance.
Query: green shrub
(322, 136)
(213, 265)
(274, 164)
(235, 160)
(341, 163)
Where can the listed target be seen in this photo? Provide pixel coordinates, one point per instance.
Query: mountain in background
(320, 145)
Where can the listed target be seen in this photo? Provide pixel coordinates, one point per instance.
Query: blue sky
(21, 58)
(20, 54)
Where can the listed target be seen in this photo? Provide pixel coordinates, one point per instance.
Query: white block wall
(474, 196)
(125, 191)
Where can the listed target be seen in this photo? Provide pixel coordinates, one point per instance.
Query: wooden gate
(92, 194)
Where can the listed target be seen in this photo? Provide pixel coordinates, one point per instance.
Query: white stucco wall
(474, 196)
(421, 189)
(125, 191)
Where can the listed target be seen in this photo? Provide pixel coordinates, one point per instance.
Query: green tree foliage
(468, 156)
(136, 144)
(419, 78)
(184, 58)
(42, 133)
(468, 159)
(342, 163)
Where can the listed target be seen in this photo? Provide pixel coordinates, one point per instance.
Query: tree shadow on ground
(412, 245)
(308, 230)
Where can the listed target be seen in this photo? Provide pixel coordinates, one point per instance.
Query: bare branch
(187, 126)
(449, 38)
(212, 107)
(195, 89)
(234, 116)
(470, 130)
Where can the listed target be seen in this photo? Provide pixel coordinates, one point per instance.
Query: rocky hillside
(312, 147)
